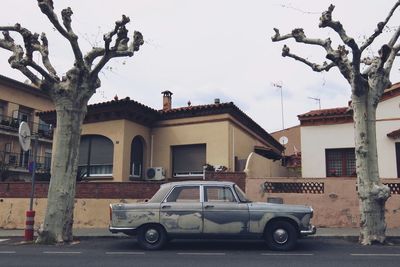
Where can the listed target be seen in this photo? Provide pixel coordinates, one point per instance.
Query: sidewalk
(103, 232)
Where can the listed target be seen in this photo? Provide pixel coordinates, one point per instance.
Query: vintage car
(210, 209)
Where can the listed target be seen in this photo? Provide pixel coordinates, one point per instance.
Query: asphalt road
(125, 252)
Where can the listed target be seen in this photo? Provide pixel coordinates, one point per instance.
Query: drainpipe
(151, 150)
(233, 149)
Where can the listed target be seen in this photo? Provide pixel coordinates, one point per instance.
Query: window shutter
(189, 158)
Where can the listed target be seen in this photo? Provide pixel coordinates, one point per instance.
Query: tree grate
(299, 188)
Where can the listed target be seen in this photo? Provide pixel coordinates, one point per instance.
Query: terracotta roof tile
(190, 109)
(341, 111)
(394, 135)
(343, 114)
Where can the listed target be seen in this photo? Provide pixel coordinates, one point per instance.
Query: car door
(180, 213)
(223, 213)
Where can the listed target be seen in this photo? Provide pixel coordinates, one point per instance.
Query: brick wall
(109, 190)
(237, 177)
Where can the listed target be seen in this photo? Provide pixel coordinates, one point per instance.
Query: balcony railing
(12, 124)
(24, 161)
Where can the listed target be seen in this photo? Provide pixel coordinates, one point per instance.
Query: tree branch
(32, 44)
(300, 37)
(17, 59)
(47, 8)
(326, 21)
(119, 49)
(393, 54)
(380, 26)
(315, 67)
(338, 56)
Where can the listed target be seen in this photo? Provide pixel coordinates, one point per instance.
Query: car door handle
(166, 207)
(209, 206)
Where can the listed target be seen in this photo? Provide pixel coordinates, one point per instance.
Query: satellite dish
(283, 140)
(24, 136)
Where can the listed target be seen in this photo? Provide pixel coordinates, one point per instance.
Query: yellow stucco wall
(121, 133)
(213, 133)
(260, 167)
(13, 98)
(16, 97)
(241, 143)
(88, 213)
(224, 137)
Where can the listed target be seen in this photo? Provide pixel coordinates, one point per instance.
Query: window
(47, 159)
(23, 114)
(137, 149)
(188, 160)
(44, 128)
(218, 194)
(340, 162)
(184, 194)
(96, 155)
(2, 110)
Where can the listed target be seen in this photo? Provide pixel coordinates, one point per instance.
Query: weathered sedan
(209, 209)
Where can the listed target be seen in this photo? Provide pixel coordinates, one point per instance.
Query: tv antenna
(280, 86)
(316, 99)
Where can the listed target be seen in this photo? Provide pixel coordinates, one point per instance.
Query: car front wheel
(281, 235)
(152, 237)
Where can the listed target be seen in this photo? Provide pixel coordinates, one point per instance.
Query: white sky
(201, 50)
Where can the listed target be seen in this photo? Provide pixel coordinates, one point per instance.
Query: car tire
(281, 236)
(152, 237)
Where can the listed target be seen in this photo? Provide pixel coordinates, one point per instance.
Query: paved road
(125, 252)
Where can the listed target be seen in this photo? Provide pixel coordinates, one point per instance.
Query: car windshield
(241, 194)
(160, 195)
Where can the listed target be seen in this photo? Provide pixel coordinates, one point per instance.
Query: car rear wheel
(281, 235)
(152, 237)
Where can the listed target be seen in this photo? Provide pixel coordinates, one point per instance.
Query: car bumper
(310, 231)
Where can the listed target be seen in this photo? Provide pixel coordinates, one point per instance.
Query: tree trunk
(57, 226)
(372, 193)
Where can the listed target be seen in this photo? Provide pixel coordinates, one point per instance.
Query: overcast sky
(202, 50)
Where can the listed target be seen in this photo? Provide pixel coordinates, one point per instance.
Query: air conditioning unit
(155, 173)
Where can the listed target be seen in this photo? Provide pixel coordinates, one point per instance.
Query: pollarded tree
(70, 95)
(367, 87)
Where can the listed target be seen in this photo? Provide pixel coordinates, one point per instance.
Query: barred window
(340, 162)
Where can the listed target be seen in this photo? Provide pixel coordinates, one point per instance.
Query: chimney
(167, 100)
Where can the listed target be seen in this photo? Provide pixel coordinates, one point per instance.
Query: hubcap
(152, 236)
(280, 236)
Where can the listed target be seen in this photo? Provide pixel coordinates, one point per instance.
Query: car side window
(218, 194)
(188, 194)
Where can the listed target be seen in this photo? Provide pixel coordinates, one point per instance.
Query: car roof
(171, 184)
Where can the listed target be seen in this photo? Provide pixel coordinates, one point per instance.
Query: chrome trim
(311, 231)
(119, 229)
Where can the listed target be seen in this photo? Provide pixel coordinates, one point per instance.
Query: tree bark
(372, 193)
(57, 226)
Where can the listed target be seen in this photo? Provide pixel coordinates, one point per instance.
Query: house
(327, 139)
(125, 140)
(290, 139)
(19, 102)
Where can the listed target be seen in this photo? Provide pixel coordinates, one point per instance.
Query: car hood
(279, 207)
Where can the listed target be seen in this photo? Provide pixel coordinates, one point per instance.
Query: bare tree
(367, 87)
(70, 95)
